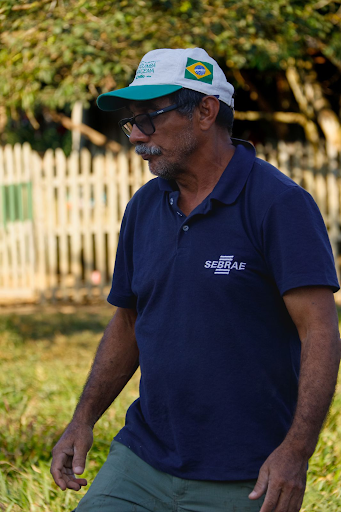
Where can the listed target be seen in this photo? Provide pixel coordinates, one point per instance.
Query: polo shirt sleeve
(121, 294)
(296, 244)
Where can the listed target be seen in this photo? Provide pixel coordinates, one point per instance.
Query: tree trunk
(316, 107)
(327, 120)
(310, 128)
(96, 137)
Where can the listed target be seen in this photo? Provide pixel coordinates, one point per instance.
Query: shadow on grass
(43, 325)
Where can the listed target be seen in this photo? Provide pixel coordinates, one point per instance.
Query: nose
(137, 136)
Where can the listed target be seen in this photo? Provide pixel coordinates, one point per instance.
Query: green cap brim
(117, 99)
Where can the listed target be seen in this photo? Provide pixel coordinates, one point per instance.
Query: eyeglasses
(144, 122)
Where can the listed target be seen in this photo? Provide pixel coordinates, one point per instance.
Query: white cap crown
(162, 72)
(191, 68)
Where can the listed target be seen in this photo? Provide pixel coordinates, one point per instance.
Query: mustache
(143, 149)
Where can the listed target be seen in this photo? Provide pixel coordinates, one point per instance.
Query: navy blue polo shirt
(219, 353)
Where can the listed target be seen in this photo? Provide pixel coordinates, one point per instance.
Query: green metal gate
(16, 225)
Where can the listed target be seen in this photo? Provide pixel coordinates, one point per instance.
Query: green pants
(125, 483)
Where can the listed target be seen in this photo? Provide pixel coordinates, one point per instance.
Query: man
(224, 282)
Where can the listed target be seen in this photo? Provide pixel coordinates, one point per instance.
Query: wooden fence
(60, 217)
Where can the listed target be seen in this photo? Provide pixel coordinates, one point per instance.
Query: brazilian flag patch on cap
(199, 70)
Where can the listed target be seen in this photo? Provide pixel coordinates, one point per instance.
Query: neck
(203, 171)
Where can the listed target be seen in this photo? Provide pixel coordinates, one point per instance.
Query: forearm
(283, 475)
(115, 362)
(318, 375)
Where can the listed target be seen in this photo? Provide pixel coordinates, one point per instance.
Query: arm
(115, 362)
(283, 475)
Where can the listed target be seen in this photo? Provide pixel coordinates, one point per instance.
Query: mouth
(147, 156)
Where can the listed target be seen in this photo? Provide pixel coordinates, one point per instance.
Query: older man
(224, 282)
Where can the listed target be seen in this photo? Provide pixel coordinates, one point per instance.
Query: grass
(45, 357)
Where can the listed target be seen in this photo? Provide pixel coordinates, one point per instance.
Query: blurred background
(67, 173)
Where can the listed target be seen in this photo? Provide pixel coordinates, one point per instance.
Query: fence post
(75, 235)
(26, 200)
(4, 238)
(308, 170)
(99, 171)
(63, 220)
(87, 217)
(296, 171)
(283, 158)
(333, 204)
(320, 183)
(11, 180)
(39, 217)
(113, 220)
(123, 180)
(51, 221)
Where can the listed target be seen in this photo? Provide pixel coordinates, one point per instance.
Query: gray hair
(189, 100)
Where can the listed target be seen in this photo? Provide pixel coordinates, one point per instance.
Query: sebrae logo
(224, 265)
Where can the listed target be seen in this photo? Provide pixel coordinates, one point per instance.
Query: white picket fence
(66, 248)
(60, 217)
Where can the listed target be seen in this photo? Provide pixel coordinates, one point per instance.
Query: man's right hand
(69, 456)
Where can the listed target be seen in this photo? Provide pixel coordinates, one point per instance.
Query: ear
(207, 112)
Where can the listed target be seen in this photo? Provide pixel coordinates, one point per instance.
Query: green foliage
(57, 52)
(45, 360)
(49, 135)
(46, 356)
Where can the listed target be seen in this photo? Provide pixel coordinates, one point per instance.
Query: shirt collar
(234, 177)
(167, 185)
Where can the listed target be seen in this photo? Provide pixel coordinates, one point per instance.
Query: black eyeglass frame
(134, 120)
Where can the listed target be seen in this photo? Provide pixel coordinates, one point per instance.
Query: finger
(261, 485)
(65, 480)
(59, 479)
(76, 483)
(69, 474)
(296, 502)
(57, 466)
(61, 470)
(59, 461)
(79, 458)
(271, 500)
(283, 503)
(82, 481)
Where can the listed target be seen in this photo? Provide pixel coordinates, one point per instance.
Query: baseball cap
(162, 72)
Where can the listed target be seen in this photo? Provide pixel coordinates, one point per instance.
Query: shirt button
(185, 228)
(171, 201)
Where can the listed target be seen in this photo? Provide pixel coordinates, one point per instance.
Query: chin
(165, 173)
(164, 170)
